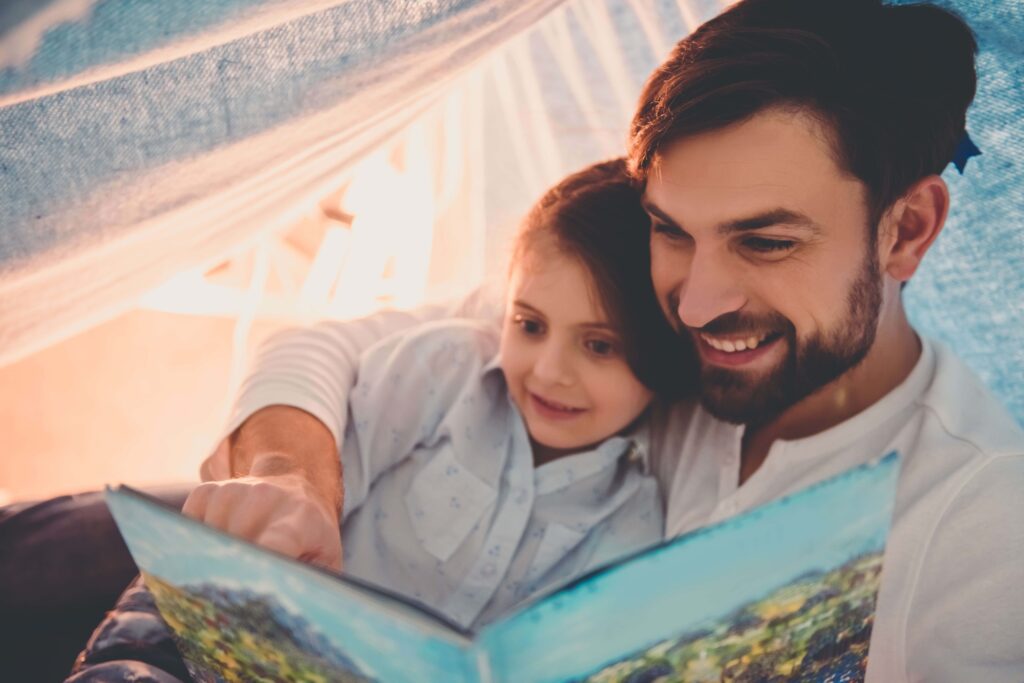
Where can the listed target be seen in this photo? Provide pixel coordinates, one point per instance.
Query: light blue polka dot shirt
(442, 501)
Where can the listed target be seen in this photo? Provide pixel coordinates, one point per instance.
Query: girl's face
(563, 361)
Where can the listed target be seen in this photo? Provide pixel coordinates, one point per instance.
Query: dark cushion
(123, 672)
(132, 633)
(62, 566)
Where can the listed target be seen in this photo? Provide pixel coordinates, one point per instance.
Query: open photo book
(786, 590)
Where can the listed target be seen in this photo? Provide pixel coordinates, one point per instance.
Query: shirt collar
(563, 472)
(890, 406)
(865, 422)
(494, 364)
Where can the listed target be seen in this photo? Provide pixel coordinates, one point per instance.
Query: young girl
(482, 466)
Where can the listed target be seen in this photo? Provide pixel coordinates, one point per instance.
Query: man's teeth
(733, 345)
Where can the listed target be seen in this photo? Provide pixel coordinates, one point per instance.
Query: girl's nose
(553, 365)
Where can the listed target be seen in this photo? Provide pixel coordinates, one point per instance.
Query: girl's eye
(766, 246)
(600, 347)
(529, 326)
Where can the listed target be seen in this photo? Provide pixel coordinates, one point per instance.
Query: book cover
(785, 591)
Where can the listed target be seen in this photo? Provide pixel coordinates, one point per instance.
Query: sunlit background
(424, 215)
(180, 179)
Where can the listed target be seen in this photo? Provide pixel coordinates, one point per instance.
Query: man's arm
(276, 479)
(314, 368)
(277, 482)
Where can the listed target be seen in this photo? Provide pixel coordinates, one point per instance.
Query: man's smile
(733, 344)
(736, 350)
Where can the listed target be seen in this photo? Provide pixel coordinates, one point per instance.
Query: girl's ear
(911, 225)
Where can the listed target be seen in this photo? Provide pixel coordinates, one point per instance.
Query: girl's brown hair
(595, 216)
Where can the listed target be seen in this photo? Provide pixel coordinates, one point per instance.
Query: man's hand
(278, 512)
(276, 482)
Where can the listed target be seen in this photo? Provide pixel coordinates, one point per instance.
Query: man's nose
(553, 365)
(710, 289)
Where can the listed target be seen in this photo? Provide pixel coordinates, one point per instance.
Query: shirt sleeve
(407, 384)
(313, 368)
(966, 617)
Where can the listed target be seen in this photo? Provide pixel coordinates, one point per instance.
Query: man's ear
(911, 225)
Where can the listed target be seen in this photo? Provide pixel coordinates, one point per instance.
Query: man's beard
(742, 398)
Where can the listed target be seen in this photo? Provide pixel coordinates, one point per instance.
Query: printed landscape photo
(248, 637)
(816, 628)
(784, 592)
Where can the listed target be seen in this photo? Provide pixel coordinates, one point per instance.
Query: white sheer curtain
(250, 164)
(450, 124)
(263, 162)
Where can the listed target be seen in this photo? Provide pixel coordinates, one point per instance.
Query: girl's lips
(735, 358)
(552, 410)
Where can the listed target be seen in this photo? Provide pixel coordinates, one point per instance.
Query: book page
(243, 613)
(785, 590)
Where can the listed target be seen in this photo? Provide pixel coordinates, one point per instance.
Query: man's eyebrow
(768, 219)
(652, 208)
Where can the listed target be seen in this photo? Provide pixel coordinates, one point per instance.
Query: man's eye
(529, 326)
(766, 246)
(601, 347)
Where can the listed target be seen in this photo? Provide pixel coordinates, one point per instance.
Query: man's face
(761, 250)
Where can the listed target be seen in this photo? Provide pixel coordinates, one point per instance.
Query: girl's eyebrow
(519, 303)
(607, 327)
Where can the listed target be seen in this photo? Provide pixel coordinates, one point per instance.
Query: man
(790, 151)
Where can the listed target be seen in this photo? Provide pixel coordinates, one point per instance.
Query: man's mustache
(736, 323)
(745, 324)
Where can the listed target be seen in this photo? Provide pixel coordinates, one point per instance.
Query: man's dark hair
(595, 216)
(891, 84)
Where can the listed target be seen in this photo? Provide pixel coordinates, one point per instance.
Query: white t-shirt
(951, 604)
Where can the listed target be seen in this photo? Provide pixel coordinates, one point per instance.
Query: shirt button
(488, 570)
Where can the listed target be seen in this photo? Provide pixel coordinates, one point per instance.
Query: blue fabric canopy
(969, 291)
(139, 137)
